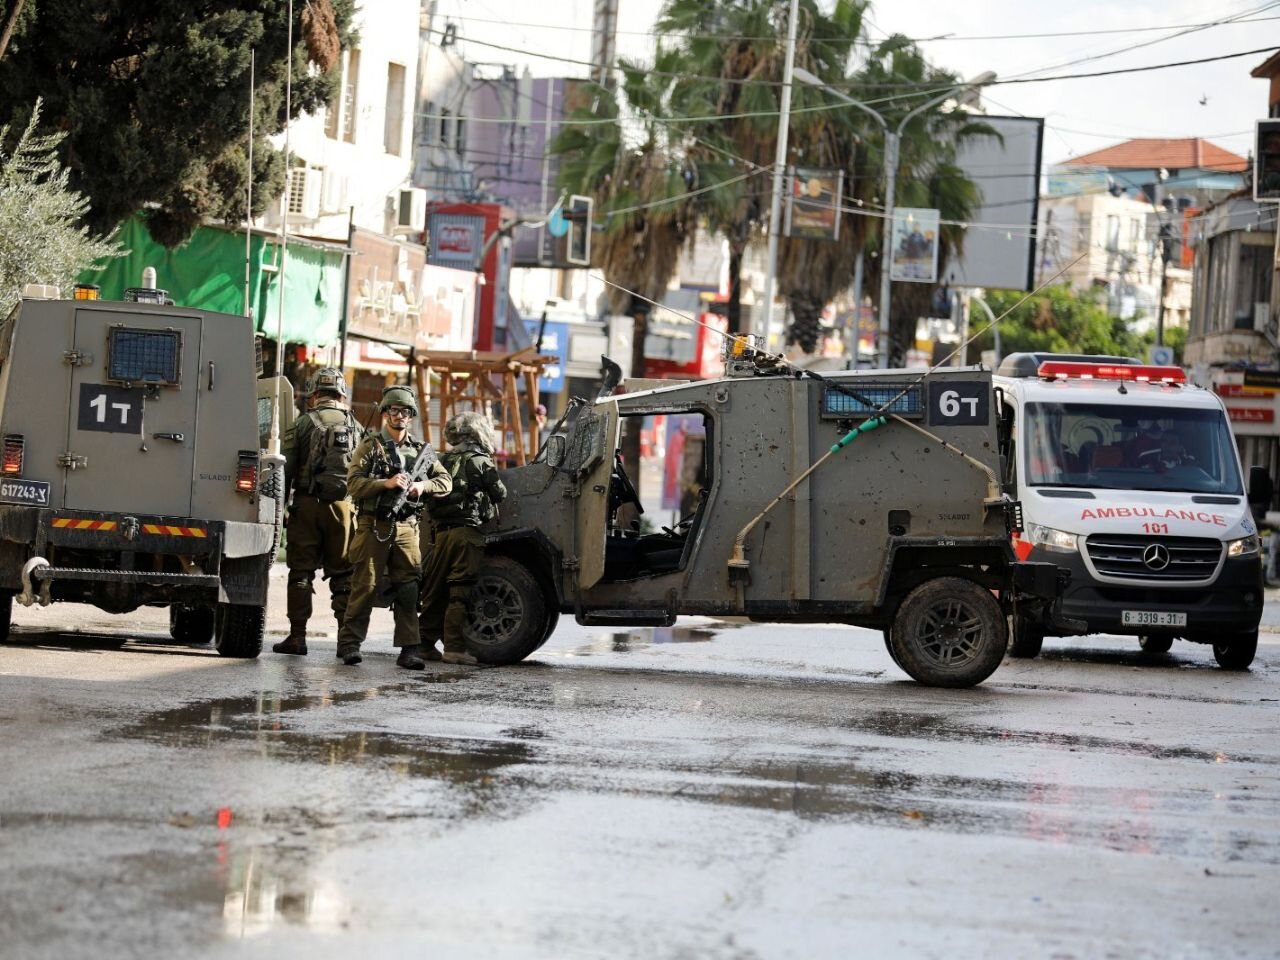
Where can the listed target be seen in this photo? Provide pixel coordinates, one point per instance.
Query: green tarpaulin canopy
(207, 272)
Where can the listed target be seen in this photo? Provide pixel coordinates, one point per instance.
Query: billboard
(1266, 161)
(813, 203)
(913, 255)
(1000, 244)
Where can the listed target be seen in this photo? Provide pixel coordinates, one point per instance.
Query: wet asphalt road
(708, 791)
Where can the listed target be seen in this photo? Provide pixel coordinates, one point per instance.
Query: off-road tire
(1155, 642)
(1236, 651)
(507, 613)
(949, 632)
(193, 626)
(238, 630)
(6, 614)
(888, 645)
(1026, 639)
(553, 618)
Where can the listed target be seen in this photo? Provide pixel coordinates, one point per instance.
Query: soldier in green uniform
(317, 451)
(380, 470)
(458, 547)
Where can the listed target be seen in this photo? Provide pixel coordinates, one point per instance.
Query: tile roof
(1191, 153)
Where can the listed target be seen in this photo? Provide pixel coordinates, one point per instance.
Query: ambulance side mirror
(1261, 489)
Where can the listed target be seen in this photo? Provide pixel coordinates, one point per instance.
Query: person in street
(385, 543)
(458, 546)
(317, 451)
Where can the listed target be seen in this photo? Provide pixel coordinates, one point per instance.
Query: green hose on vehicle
(852, 435)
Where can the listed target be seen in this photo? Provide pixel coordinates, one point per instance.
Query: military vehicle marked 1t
(906, 531)
(133, 472)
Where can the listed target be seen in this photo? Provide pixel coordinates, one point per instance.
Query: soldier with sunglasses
(380, 469)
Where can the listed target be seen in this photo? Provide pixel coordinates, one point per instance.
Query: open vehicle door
(590, 457)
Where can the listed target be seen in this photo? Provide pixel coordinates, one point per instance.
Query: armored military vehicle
(132, 470)
(905, 530)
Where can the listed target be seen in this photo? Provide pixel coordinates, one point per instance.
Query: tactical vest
(331, 442)
(467, 504)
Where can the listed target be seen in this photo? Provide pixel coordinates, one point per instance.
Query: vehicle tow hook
(28, 595)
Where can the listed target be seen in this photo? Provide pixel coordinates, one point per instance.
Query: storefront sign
(1251, 414)
(455, 240)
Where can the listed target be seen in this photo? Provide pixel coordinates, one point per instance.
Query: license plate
(1152, 618)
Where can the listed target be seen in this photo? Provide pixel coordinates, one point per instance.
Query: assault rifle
(400, 508)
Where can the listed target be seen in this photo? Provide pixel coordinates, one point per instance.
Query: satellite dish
(557, 225)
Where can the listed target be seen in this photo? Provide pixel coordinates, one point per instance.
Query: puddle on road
(262, 721)
(947, 729)
(641, 638)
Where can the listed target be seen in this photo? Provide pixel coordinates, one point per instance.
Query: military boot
(296, 642)
(460, 657)
(410, 658)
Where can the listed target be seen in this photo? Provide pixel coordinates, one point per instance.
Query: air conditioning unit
(305, 184)
(336, 189)
(410, 211)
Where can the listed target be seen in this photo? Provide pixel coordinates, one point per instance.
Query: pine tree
(42, 236)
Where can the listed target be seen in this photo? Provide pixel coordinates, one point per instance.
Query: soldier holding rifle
(390, 478)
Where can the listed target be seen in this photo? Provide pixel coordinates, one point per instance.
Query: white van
(1130, 479)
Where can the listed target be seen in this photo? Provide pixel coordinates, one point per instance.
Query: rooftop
(1190, 153)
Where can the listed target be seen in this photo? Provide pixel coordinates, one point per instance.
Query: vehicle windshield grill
(1155, 559)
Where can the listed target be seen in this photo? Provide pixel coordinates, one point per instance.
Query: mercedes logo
(1156, 556)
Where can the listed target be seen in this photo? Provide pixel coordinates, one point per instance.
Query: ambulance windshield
(1122, 447)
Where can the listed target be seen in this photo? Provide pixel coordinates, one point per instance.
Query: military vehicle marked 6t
(132, 471)
(906, 530)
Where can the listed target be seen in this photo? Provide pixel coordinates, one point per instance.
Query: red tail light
(14, 446)
(247, 475)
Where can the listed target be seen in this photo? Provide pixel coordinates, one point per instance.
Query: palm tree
(631, 167)
(730, 59)
(898, 74)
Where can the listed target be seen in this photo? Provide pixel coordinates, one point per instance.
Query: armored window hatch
(144, 356)
(851, 401)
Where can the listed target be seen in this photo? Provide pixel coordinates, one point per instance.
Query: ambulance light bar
(1141, 373)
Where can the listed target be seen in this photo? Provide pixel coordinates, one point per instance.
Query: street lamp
(891, 140)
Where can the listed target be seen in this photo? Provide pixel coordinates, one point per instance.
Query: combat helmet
(328, 380)
(470, 427)
(398, 396)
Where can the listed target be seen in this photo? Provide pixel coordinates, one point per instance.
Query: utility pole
(604, 41)
(779, 168)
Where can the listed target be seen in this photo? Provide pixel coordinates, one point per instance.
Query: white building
(1106, 241)
(355, 159)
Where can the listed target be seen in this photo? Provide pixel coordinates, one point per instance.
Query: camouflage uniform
(458, 546)
(319, 531)
(384, 544)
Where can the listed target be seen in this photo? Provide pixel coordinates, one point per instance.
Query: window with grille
(144, 356)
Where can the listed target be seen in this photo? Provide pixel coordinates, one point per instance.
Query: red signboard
(1239, 390)
(1251, 414)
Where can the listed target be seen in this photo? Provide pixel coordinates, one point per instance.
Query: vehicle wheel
(1155, 642)
(507, 614)
(949, 632)
(6, 614)
(1027, 638)
(191, 625)
(1236, 652)
(238, 630)
(888, 645)
(553, 618)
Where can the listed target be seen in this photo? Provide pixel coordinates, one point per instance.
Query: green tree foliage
(154, 98)
(42, 239)
(1057, 320)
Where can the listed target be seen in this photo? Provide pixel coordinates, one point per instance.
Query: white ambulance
(1130, 479)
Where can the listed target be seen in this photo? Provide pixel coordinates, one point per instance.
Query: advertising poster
(914, 254)
(813, 203)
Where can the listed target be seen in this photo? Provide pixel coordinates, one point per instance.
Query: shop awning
(208, 273)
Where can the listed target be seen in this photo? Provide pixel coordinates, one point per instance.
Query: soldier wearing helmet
(317, 451)
(383, 543)
(458, 547)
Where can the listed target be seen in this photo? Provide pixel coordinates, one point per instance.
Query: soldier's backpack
(464, 502)
(332, 445)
